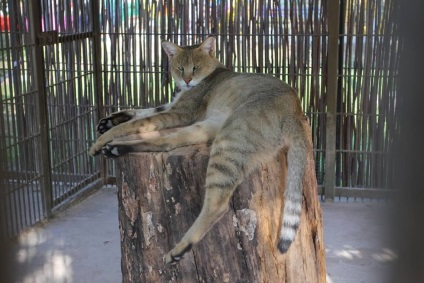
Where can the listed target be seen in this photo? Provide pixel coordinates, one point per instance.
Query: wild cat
(247, 119)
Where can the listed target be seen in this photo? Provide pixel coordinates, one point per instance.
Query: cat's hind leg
(214, 207)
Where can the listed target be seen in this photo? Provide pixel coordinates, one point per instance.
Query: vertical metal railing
(22, 173)
(39, 84)
(47, 82)
(71, 81)
(332, 80)
(97, 58)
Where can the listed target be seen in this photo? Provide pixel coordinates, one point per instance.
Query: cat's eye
(181, 69)
(195, 68)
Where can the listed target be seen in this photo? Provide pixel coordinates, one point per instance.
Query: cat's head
(191, 64)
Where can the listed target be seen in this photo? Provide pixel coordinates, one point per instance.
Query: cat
(247, 119)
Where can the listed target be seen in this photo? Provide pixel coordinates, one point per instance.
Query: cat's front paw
(114, 119)
(104, 125)
(95, 149)
(112, 150)
(176, 254)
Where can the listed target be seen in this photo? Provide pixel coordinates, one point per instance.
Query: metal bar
(332, 78)
(39, 84)
(363, 193)
(339, 99)
(97, 59)
(4, 230)
(52, 37)
(78, 196)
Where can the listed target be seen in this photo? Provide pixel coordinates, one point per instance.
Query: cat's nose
(187, 81)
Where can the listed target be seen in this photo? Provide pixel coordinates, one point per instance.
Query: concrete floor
(357, 250)
(82, 244)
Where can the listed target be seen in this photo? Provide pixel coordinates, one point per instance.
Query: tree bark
(160, 196)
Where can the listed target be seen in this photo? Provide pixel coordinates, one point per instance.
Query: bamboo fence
(288, 39)
(369, 54)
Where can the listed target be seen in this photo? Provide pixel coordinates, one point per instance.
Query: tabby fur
(247, 119)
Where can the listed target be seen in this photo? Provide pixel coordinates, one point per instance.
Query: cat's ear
(208, 46)
(170, 48)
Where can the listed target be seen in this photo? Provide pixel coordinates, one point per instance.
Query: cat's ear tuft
(208, 46)
(170, 48)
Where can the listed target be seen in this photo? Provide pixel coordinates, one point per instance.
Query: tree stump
(161, 194)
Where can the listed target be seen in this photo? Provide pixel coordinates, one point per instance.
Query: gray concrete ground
(79, 245)
(82, 244)
(356, 243)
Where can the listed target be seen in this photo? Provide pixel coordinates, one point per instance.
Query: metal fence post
(98, 75)
(332, 77)
(39, 85)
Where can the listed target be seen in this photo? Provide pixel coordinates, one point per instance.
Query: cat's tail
(296, 163)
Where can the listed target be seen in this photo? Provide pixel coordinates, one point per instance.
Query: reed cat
(247, 118)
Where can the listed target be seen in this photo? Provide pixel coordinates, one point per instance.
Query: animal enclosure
(65, 64)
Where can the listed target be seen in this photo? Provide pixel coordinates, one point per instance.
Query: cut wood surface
(161, 194)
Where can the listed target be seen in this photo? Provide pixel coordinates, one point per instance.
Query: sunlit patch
(57, 268)
(348, 253)
(51, 266)
(61, 265)
(25, 255)
(29, 243)
(33, 238)
(386, 255)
